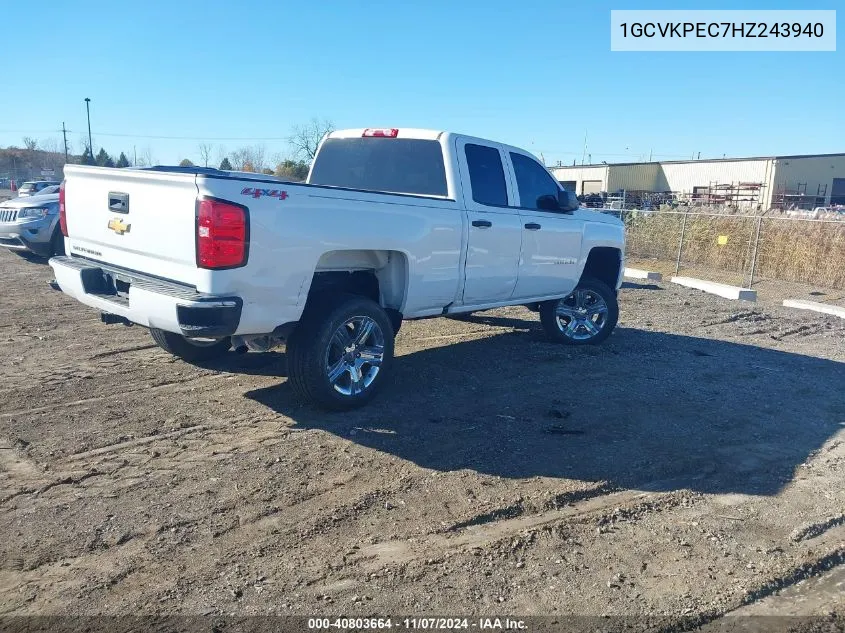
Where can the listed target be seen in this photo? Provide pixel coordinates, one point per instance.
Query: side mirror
(568, 201)
(548, 203)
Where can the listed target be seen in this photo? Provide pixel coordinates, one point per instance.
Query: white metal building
(763, 182)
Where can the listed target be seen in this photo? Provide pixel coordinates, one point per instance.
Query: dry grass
(790, 250)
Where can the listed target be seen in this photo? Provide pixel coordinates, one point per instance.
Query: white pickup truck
(391, 224)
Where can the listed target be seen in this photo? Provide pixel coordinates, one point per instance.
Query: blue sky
(533, 74)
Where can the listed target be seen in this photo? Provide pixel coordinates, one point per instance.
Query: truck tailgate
(142, 220)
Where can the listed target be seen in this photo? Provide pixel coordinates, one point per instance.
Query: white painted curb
(723, 290)
(636, 273)
(815, 307)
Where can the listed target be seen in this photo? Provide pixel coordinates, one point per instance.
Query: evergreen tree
(122, 161)
(103, 159)
(296, 170)
(185, 163)
(86, 158)
(225, 164)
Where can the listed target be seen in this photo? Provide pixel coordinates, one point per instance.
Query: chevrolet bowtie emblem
(117, 225)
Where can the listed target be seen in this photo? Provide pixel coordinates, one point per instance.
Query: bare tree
(239, 158)
(51, 145)
(145, 158)
(205, 150)
(259, 157)
(304, 139)
(30, 143)
(253, 158)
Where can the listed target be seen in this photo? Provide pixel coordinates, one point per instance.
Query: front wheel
(586, 317)
(192, 350)
(340, 354)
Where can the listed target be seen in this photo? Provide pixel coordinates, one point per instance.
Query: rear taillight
(222, 234)
(386, 132)
(62, 213)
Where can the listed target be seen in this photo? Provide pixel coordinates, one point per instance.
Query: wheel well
(358, 282)
(603, 263)
(378, 275)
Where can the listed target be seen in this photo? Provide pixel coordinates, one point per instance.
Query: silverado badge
(118, 226)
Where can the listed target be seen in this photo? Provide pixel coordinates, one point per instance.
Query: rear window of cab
(394, 165)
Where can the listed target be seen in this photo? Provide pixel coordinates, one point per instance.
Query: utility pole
(134, 157)
(88, 111)
(585, 147)
(649, 154)
(64, 134)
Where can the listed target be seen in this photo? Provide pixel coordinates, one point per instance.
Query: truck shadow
(647, 410)
(32, 258)
(252, 364)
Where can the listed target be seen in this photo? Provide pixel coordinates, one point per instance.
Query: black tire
(593, 295)
(314, 348)
(57, 244)
(187, 350)
(395, 320)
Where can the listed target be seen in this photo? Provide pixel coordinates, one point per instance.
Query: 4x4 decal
(257, 193)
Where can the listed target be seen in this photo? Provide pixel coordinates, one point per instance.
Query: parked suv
(34, 187)
(31, 224)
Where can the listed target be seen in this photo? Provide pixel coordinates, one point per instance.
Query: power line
(30, 131)
(196, 138)
(161, 136)
(286, 138)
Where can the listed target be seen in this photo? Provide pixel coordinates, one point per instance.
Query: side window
(533, 181)
(486, 175)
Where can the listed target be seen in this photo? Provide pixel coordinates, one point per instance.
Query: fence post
(754, 257)
(681, 243)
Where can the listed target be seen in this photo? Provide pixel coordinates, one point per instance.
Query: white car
(34, 187)
(391, 224)
(814, 214)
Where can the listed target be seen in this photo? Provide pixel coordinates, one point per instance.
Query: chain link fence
(779, 256)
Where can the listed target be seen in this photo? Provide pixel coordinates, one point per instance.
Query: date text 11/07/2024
(422, 624)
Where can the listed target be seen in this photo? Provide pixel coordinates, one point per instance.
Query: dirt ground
(691, 466)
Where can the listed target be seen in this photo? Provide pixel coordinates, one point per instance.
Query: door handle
(533, 226)
(483, 224)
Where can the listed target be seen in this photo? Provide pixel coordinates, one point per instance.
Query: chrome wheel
(354, 355)
(582, 315)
